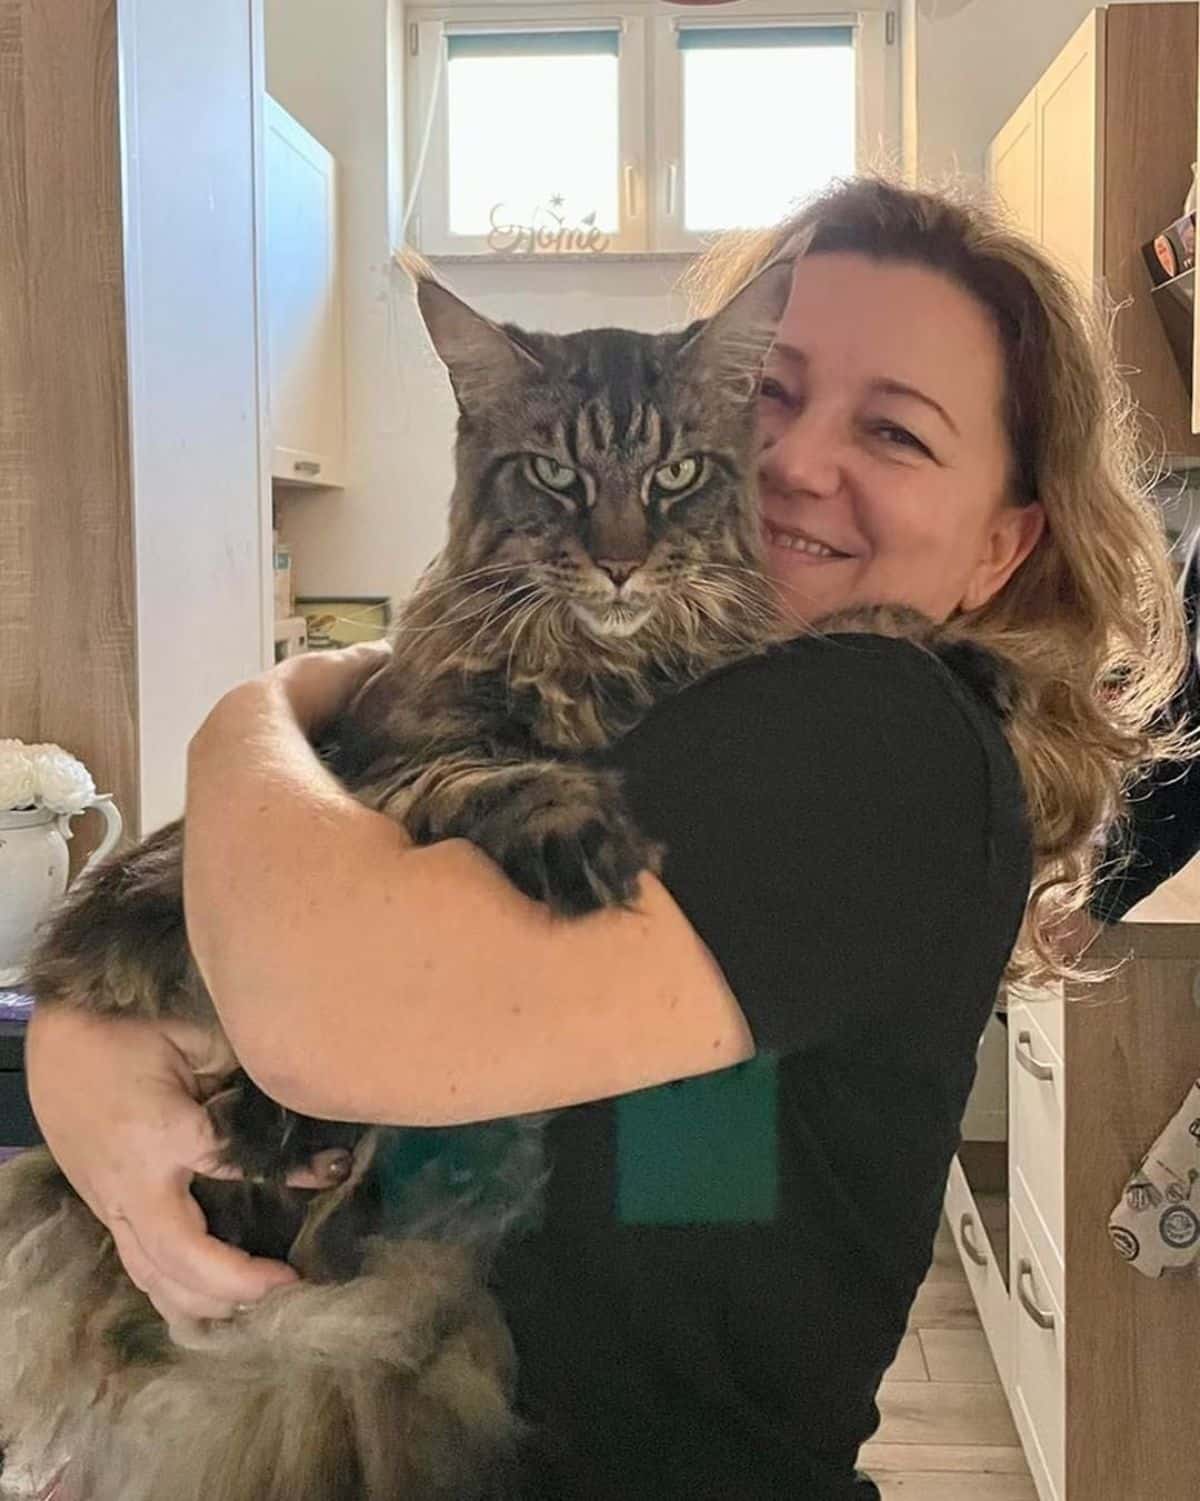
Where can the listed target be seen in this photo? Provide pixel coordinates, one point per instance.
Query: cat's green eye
(552, 474)
(672, 478)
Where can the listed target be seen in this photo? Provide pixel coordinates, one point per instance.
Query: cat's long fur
(387, 1375)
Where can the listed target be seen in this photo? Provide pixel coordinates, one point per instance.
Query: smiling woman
(885, 469)
(942, 423)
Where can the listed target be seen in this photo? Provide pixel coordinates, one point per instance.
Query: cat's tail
(395, 1386)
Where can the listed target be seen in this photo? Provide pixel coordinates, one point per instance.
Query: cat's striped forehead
(610, 391)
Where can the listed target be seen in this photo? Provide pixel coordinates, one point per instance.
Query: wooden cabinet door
(303, 303)
(1069, 104)
(1196, 306)
(1012, 163)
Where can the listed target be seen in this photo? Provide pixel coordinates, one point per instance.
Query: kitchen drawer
(1038, 1386)
(1044, 1004)
(1036, 1153)
(985, 1276)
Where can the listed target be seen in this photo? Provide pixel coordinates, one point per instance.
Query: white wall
(327, 65)
(187, 97)
(975, 61)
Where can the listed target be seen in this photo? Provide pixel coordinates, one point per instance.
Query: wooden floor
(946, 1431)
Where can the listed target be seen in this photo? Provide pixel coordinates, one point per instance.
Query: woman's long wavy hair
(1091, 619)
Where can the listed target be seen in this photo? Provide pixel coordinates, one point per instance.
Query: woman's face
(884, 461)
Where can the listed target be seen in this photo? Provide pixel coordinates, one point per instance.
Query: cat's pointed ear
(480, 356)
(732, 345)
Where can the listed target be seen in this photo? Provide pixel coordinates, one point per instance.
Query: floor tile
(964, 1487)
(957, 1355)
(909, 1364)
(944, 1303)
(944, 1412)
(977, 1459)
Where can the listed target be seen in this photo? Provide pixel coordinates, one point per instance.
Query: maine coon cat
(602, 552)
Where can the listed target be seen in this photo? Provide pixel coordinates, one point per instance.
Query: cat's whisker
(493, 599)
(520, 625)
(503, 615)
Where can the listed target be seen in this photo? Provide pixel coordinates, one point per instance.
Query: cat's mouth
(614, 617)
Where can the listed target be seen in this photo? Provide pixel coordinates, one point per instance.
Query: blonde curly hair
(1091, 620)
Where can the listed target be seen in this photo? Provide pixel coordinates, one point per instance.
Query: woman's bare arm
(360, 977)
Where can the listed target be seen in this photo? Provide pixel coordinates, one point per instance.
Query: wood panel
(67, 649)
(1150, 144)
(1133, 1051)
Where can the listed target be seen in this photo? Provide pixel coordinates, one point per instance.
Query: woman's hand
(117, 1100)
(318, 685)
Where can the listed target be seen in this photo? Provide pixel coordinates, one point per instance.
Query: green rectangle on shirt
(701, 1151)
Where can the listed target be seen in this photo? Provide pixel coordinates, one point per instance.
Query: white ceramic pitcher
(33, 873)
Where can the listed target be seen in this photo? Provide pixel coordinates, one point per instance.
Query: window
(746, 90)
(529, 117)
(648, 131)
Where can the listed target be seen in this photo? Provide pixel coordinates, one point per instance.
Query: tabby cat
(602, 552)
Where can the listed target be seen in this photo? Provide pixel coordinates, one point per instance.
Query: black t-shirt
(725, 1265)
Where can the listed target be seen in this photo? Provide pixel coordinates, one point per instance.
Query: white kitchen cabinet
(1099, 1362)
(303, 303)
(1069, 103)
(1093, 163)
(1046, 163)
(1012, 164)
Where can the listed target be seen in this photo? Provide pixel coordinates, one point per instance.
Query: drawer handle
(968, 1245)
(1040, 1316)
(1028, 1062)
(306, 466)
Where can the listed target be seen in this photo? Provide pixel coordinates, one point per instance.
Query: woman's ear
(1014, 532)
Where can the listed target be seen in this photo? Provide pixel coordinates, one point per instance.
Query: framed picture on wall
(344, 619)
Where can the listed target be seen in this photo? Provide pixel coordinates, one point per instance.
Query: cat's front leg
(561, 831)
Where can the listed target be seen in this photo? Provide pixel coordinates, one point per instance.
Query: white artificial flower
(18, 787)
(33, 776)
(63, 783)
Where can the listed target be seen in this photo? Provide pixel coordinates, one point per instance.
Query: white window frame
(651, 100)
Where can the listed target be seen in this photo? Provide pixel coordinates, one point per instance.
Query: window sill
(561, 258)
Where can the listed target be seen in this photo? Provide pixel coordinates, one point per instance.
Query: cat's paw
(561, 833)
(593, 859)
(264, 1140)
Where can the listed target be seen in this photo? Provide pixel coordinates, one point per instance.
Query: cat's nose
(618, 569)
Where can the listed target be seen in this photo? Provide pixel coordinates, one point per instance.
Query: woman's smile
(801, 546)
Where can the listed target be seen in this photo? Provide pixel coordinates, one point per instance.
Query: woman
(770, 1057)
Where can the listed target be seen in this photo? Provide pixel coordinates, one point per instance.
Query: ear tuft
(481, 359)
(735, 340)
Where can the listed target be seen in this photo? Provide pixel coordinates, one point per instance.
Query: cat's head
(608, 475)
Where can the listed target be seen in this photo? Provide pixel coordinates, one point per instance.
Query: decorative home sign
(550, 231)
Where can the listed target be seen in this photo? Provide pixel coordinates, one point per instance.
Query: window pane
(767, 119)
(534, 131)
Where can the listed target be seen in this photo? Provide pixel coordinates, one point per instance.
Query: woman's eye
(677, 476)
(552, 474)
(771, 390)
(891, 432)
